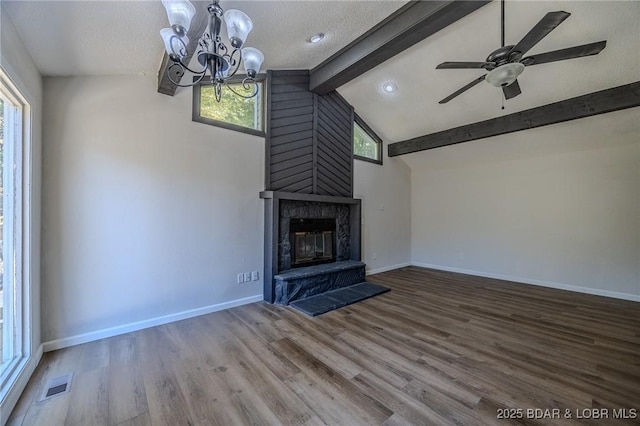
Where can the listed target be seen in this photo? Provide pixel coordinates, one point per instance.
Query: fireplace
(312, 245)
(312, 241)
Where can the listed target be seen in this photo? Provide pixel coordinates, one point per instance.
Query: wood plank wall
(334, 146)
(308, 138)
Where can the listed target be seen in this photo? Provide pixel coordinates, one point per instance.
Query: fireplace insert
(313, 241)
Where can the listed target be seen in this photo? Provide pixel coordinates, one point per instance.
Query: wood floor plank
(127, 396)
(244, 399)
(361, 406)
(325, 353)
(281, 400)
(320, 401)
(91, 406)
(402, 404)
(206, 396)
(95, 356)
(449, 407)
(143, 419)
(166, 401)
(439, 349)
(53, 410)
(277, 363)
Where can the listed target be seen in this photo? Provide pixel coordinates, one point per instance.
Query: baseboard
(139, 325)
(24, 374)
(559, 286)
(387, 268)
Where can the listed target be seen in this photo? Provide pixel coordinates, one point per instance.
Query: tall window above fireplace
(313, 241)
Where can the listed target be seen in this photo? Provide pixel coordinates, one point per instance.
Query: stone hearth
(300, 283)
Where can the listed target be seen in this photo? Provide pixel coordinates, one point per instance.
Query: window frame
(197, 96)
(364, 126)
(17, 216)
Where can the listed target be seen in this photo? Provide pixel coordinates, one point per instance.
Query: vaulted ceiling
(414, 110)
(121, 37)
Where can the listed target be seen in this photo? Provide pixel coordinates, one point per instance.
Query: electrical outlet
(374, 256)
(254, 276)
(247, 277)
(240, 278)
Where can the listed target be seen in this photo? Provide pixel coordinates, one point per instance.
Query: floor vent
(57, 386)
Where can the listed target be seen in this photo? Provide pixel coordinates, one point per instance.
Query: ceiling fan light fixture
(505, 74)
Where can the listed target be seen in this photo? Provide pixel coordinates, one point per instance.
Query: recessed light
(389, 87)
(316, 38)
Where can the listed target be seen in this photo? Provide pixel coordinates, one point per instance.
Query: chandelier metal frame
(219, 63)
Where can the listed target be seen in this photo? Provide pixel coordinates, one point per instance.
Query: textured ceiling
(122, 37)
(414, 110)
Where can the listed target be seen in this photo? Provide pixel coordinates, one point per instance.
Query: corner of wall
(385, 191)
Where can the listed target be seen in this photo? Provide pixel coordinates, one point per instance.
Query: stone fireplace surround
(280, 207)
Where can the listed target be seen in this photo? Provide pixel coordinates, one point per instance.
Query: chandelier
(218, 62)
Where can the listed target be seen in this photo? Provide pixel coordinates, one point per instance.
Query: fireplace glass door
(312, 246)
(313, 241)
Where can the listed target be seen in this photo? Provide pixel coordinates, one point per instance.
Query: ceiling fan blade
(512, 90)
(462, 90)
(462, 65)
(540, 31)
(569, 53)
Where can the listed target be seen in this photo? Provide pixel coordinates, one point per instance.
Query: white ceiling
(121, 37)
(414, 110)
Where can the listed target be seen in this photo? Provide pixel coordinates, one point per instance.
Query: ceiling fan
(507, 63)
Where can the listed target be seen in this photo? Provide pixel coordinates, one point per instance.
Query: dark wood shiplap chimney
(309, 147)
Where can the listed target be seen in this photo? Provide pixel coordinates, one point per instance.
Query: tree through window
(232, 112)
(366, 144)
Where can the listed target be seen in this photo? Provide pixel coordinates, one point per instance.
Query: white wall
(147, 216)
(20, 67)
(557, 205)
(386, 212)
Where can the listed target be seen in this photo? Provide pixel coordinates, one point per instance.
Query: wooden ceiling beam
(407, 26)
(198, 25)
(609, 100)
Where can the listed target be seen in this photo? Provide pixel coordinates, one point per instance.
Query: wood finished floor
(440, 348)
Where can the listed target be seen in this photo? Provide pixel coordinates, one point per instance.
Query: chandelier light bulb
(220, 62)
(175, 45)
(180, 14)
(252, 59)
(239, 25)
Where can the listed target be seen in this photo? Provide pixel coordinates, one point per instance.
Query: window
(367, 145)
(232, 112)
(14, 113)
